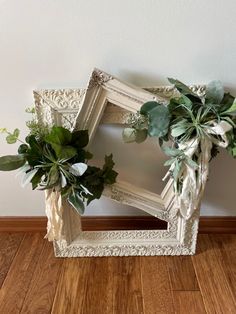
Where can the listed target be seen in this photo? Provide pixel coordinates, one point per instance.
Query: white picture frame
(91, 105)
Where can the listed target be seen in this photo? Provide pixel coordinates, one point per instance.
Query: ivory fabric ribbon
(54, 212)
(194, 181)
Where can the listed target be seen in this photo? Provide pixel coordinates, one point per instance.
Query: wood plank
(41, 292)
(127, 286)
(72, 286)
(98, 296)
(225, 250)
(38, 224)
(216, 292)
(18, 279)
(188, 302)
(182, 273)
(156, 285)
(9, 244)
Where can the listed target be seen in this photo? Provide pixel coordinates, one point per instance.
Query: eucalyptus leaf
(159, 120)
(11, 162)
(11, 139)
(16, 133)
(76, 201)
(148, 106)
(141, 135)
(129, 135)
(214, 92)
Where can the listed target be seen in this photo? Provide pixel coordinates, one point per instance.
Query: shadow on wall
(142, 79)
(220, 190)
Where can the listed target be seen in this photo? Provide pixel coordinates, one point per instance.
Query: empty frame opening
(138, 164)
(106, 214)
(112, 223)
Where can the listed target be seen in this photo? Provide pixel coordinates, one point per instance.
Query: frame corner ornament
(99, 77)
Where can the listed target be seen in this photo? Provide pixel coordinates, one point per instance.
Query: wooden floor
(32, 280)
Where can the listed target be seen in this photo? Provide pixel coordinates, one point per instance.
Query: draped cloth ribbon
(54, 212)
(194, 181)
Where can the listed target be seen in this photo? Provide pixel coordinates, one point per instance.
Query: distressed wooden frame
(95, 105)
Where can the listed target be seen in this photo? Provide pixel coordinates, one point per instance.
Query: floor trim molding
(223, 224)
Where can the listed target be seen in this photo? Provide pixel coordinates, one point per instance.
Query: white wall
(56, 43)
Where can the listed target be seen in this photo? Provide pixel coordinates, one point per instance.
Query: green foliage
(138, 131)
(60, 138)
(232, 143)
(129, 135)
(80, 138)
(11, 162)
(159, 120)
(148, 106)
(76, 201)
(186, 119)
(23, 148)
(214, 92)
(58, 135)
(96, 178)
(184, 90)
(109, 175)
(56, 159)
(227, 102)
(232, 109)
(11, 138)
(30, 110)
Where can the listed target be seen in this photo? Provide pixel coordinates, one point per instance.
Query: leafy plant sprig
(185, 117)
(56, 158)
